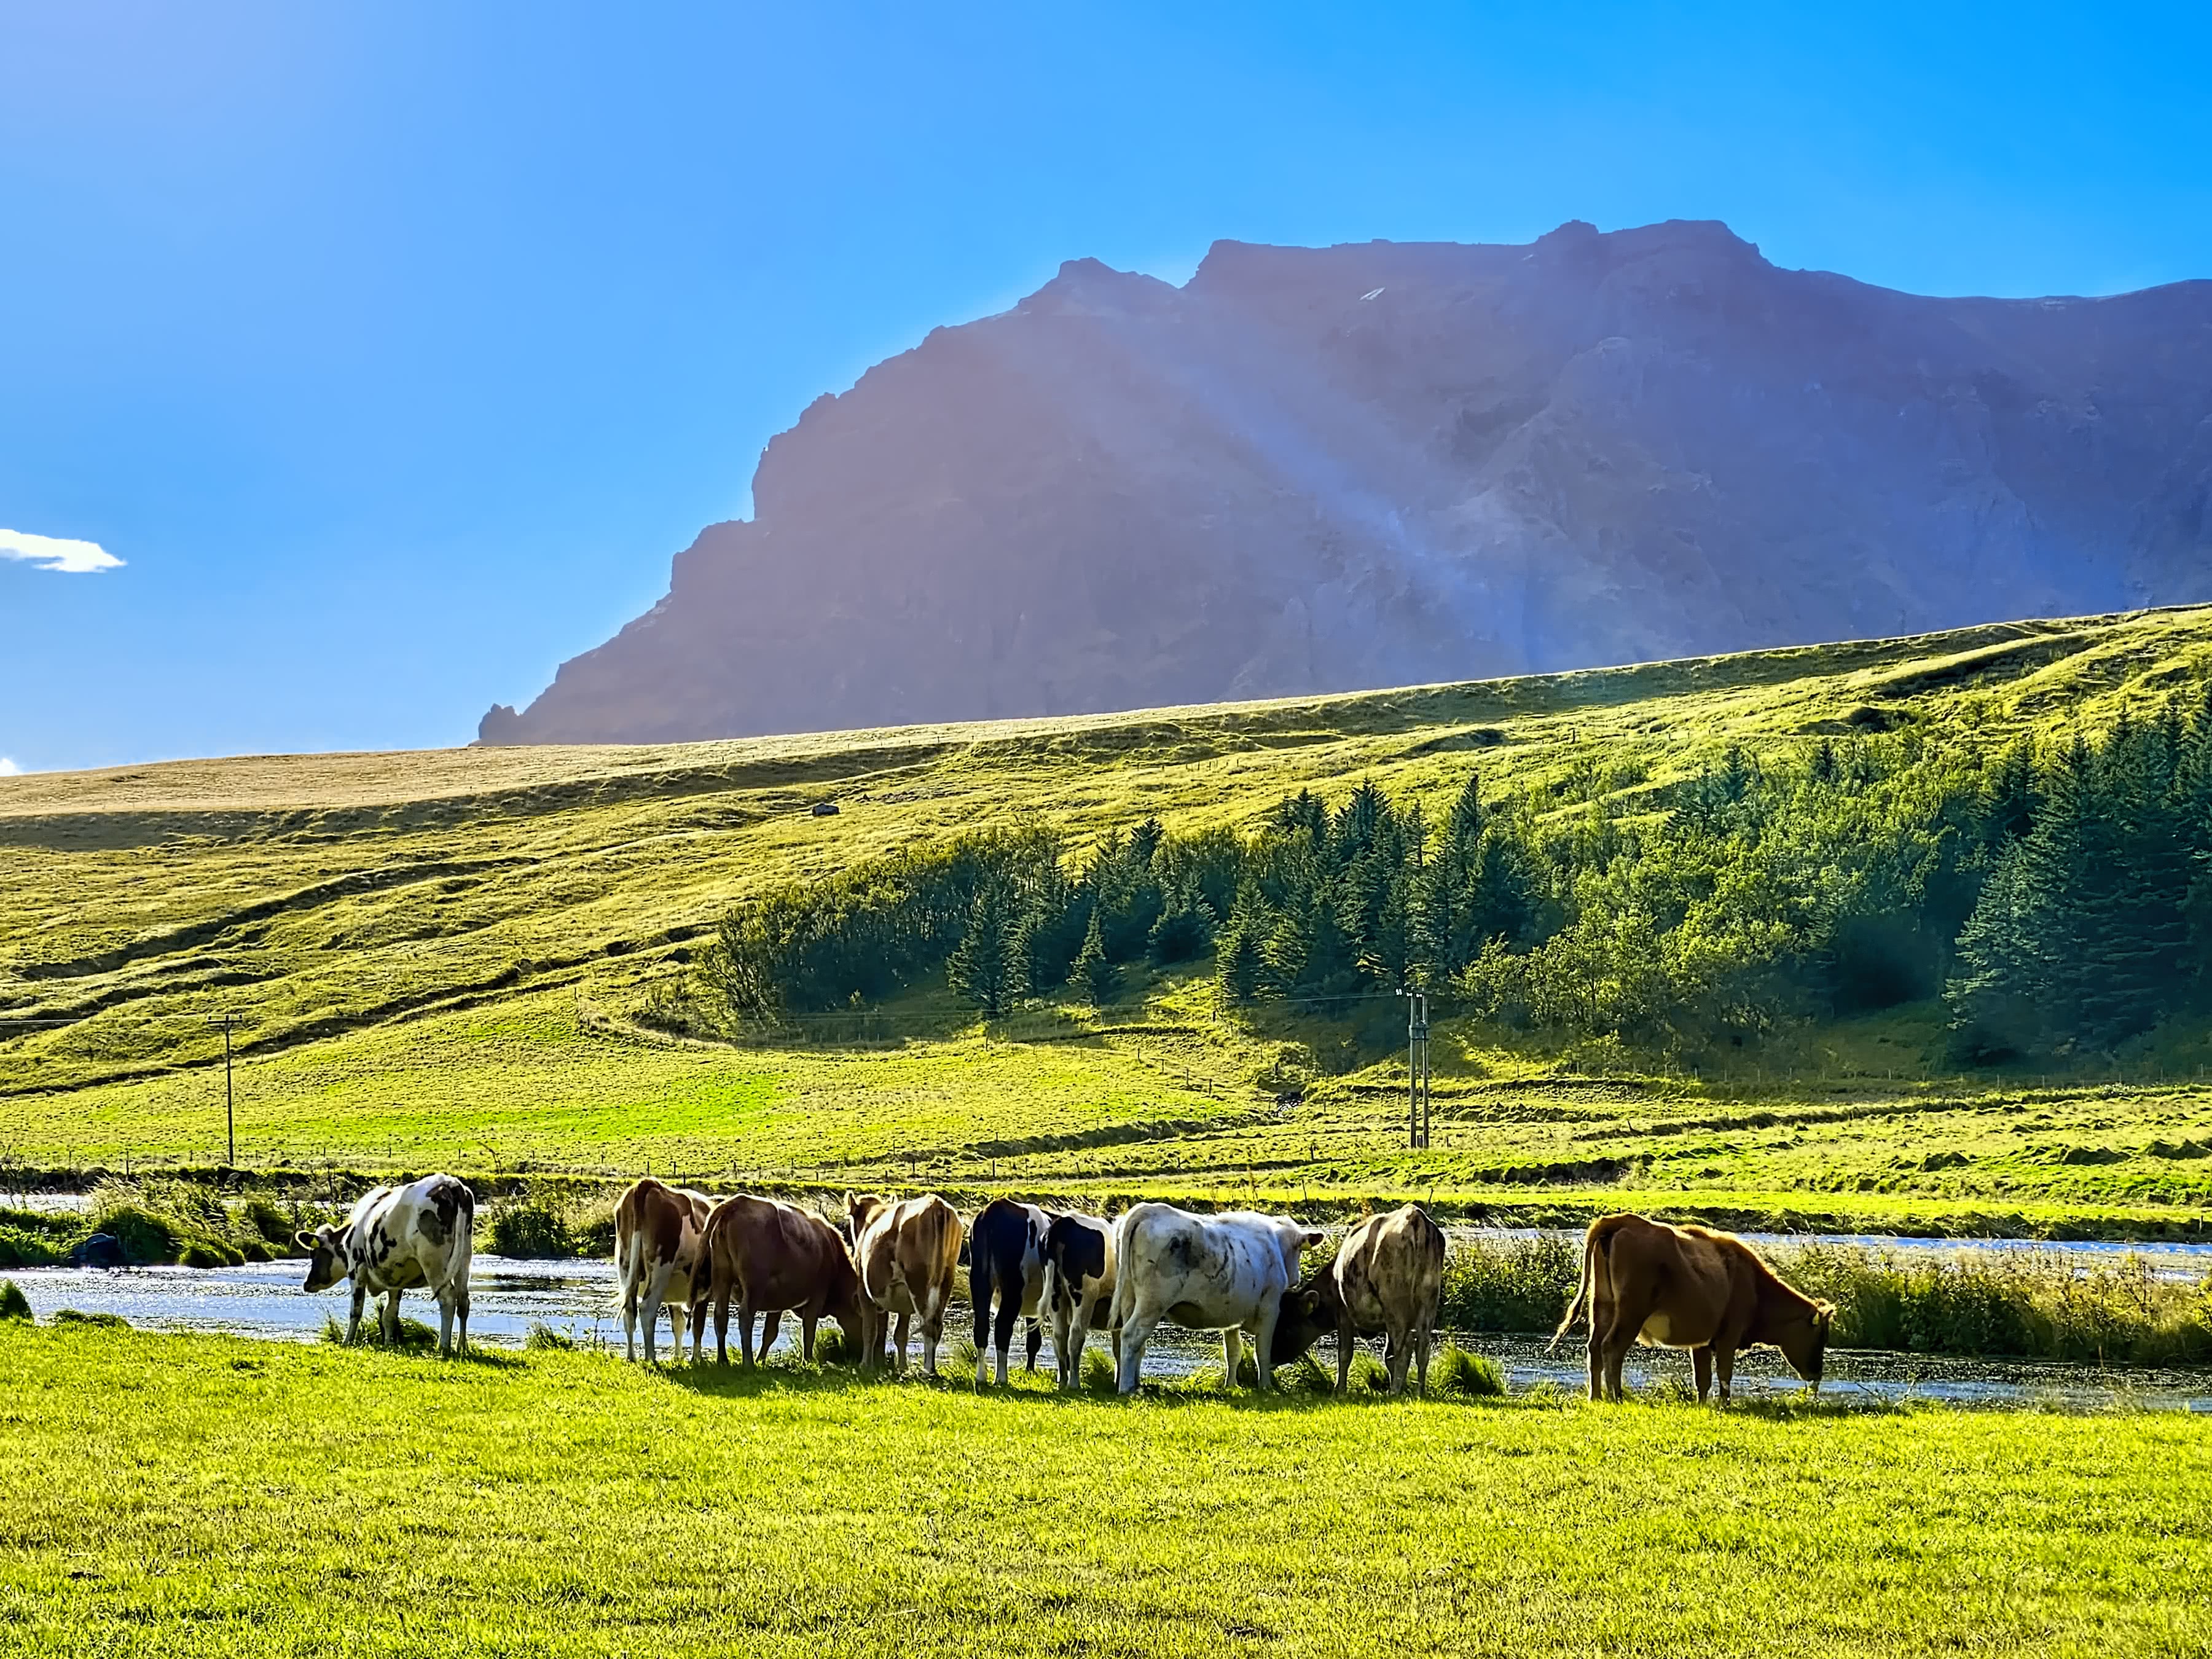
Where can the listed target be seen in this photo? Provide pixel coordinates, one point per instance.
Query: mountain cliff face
(1314, 469)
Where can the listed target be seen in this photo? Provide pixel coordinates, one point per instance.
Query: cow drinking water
(1220, 1272)
(906, 1251)
(394, 1239)
(773, 1258)
(1005, 1258)
(1078, 1268)
(658, 1229)
(1388, 1279)
(1687, 1287)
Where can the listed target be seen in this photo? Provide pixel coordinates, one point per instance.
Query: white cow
(1218, 1273)
(1078, 1280)
(397, 1238)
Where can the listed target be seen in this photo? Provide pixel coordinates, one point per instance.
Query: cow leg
(1422, 1337)
(1346, 1339)
(1397, 1354)
(1701, 1368)
(1002, 1328)
(1724, 1364)
(745, 1333)
(722, 1324)
(806, 1324)
(1233, 1349)
(1130, 1341)
(1067, 1343)
(656, 1288)
(392, 1319)
(353, 1318)
(630, 1319)
(1263, 1342)
(445, 1322)
(1036, 1341)
(898, 1342)
(676, 1311)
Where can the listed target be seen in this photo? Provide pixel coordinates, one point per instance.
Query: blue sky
(395, 348)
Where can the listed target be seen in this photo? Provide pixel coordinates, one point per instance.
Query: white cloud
(9, 769)
(54, 553)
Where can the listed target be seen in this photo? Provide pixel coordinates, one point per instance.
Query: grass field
(439, 958)
(201, 1496)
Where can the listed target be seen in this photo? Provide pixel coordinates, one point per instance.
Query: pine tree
(1237, 967)
(986, 970)
(1095, 971)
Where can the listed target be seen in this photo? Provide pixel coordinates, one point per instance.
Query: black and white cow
(1078, 1277)
(1006, 1257)
(396, 1239)
(1208, 1273)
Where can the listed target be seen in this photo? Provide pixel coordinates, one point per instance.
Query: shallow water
(577, 1298)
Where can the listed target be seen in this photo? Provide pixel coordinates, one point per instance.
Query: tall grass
(1991, 1303)
(549, 1224)
(2039, 1305)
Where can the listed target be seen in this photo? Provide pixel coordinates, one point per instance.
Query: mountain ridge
(1309, 470)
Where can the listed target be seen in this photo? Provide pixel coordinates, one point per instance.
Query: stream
(577, 1298)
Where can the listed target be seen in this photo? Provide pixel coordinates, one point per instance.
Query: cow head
(1310, 1312)
(326, 1256)
(858, 1212)
(1804, 1341)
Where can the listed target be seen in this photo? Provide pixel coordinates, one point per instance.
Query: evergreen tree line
(2055, 899)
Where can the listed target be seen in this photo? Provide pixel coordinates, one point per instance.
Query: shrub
(14, 1305)
(535, 1225)
(1099, 1373)
(1516, 1285)
(94, 1321)
(832, 1347)
(1469, 1375)
(544, 1338)
(1368, 1373)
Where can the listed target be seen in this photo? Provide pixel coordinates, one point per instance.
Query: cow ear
(850, 1202)
(1311, 1239)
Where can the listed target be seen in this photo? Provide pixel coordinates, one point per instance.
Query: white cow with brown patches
(658, 1233)
(396, 1239)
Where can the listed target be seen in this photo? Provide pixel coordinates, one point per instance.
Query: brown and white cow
(658, 1229)
(907, 1251)
(1388, 1278)
(397, 1238)
(1687, 1287)
(772, 1258)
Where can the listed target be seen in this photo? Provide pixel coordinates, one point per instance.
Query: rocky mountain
(1323, 469)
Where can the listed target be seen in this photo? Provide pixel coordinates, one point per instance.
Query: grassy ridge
(224, 1498)
(442, 956)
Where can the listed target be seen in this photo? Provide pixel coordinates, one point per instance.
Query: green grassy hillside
(439, 958)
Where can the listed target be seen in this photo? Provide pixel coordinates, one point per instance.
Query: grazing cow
(775, 1258)
(1005, 1256)
(656, 1234)
(1687, 1287)
(1221, 1273)
(906, 1251)
(394, 1239)
(1388, 1277)
(1078, 1276)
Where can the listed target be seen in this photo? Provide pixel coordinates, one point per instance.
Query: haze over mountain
(1316, 470)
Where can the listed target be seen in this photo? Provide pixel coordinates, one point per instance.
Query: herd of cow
(894, 1261)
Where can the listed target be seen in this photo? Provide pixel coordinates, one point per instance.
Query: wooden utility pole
(229, 1107)
(1417, 1067)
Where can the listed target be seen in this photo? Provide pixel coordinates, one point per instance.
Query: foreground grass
(203, 1496)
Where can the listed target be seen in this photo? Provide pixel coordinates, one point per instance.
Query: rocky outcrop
(1314, 469)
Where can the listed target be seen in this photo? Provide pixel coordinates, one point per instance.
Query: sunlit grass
(215, 1496)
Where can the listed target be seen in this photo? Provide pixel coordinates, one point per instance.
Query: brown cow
(1688, 1287)
(1388, 1277)
(656, 1234)
(906, 1251)
(774, 1258)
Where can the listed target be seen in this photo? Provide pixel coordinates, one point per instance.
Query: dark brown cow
(906, 1251)
(656, 1234)
(1687, 1287)
(1387, 1278)
(773, 1258)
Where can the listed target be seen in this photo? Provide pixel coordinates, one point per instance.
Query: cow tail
(1585, 1291)
(978, 1290)
(1121, 1274)
(629, 1265)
